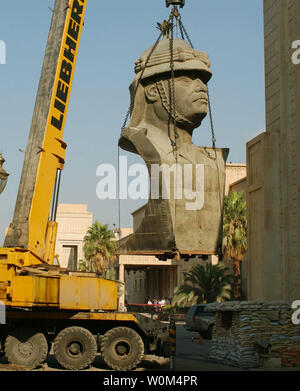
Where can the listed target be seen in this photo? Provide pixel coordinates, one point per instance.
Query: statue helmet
(185, 58)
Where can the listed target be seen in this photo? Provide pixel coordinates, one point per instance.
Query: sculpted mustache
(203, 96)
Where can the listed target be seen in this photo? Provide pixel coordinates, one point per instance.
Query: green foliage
(234, 226)
(85, 266)
(175, 309)
(99, 248)
(234, 245)
(203, 284)
(109, 274)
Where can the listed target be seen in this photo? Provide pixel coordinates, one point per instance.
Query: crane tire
(26, 347)
(122, 348)
(75, 348)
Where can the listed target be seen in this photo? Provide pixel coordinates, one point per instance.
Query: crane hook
(175, 2)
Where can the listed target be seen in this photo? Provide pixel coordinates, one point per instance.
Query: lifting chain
(172, 114)
(140, 78)
(184, 35)
(171, 86)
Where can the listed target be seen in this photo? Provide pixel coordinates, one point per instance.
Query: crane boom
(45, 154)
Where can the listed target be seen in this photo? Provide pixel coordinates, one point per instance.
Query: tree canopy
(234, 243)
(99, 247)
(204, 284)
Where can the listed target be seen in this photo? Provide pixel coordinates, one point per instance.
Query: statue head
(191, 74)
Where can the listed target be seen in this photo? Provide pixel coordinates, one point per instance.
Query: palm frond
(234, 243)
(98, 247)
(204, 285)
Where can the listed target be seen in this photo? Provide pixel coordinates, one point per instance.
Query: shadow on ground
(150, 363)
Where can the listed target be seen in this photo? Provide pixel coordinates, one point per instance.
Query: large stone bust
(165, 112)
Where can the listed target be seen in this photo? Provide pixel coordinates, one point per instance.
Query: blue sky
(114, 36)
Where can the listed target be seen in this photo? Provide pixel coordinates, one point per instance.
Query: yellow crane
(46, 305)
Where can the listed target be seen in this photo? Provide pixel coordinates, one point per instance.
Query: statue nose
(200, 86)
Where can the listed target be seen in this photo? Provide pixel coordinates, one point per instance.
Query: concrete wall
(264, 259)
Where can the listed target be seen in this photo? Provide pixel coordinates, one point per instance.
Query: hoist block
(175, 2)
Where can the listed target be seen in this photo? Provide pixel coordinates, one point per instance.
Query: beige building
(273, 162)
(239, 186)
(73, 223)
(235, 173)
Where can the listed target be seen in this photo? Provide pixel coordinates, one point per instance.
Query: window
(69, 257)
(226, 319)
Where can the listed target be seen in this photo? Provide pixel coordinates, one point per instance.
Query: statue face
(191, 97)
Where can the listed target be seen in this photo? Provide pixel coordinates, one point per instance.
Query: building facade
(273, 162)
(73, 222)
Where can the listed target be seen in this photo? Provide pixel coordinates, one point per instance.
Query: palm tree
(234, 243)
(204, 285)
(98, 247)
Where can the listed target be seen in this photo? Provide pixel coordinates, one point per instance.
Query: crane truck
(47, 306)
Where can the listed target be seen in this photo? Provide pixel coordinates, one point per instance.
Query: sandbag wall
(239, 324)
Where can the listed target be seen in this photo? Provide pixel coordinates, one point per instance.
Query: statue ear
(151, 92)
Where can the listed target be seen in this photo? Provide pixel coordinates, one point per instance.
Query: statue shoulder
(213, 154)
(140, 141)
